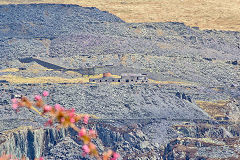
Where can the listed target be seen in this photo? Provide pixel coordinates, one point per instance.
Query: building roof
(108, 74)
(132, 74)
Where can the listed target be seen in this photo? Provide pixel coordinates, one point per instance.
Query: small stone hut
(125, 77)
(131, 77)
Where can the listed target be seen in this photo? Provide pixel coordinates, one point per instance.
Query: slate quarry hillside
(47, 47)
(103, 33)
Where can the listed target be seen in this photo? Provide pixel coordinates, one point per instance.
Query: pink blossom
(92, 132)
(47, 108)
(49, 123)
(85, 119)
(84, 154)
(15, 106)
(14, 100)
(62, 119)
(41, 158)
(115, 156)
(71, 113)
(82, 132)
(92, 146)
(38, 97)
(58, 107)
(45, 93)
(15, 103)
(85, 148)
(72, 120)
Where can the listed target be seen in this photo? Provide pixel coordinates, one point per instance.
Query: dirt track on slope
(206, 14)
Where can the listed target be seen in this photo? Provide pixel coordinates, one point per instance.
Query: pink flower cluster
(66, 118)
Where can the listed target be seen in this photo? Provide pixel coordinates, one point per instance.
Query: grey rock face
(29, 142)
(135, 101)
(69, 30)
(63, 144)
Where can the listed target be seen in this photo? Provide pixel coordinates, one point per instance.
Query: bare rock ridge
(57, 30)
(130, 140)
(205, 14)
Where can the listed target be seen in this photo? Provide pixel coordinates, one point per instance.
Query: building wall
(108, 79)
(126, 79)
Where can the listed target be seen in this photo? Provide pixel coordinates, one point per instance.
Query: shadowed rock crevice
(30, 147)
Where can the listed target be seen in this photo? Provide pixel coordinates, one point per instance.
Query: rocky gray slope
(118, 101)
(137, 120)
(39, 29)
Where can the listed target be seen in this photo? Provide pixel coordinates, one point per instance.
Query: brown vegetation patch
(164, 45)
(191, 142)
(206, 14)
(218, 108)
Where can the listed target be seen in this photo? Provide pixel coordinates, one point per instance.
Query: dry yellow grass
(10, 70)
(124, 59)
(72, 73)
(17, 79)
(19, 129)
(36, 68)
(206, 14)
(171, 82)
(96, 76)
(116, 76)
(203, 140)
(214, 109)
